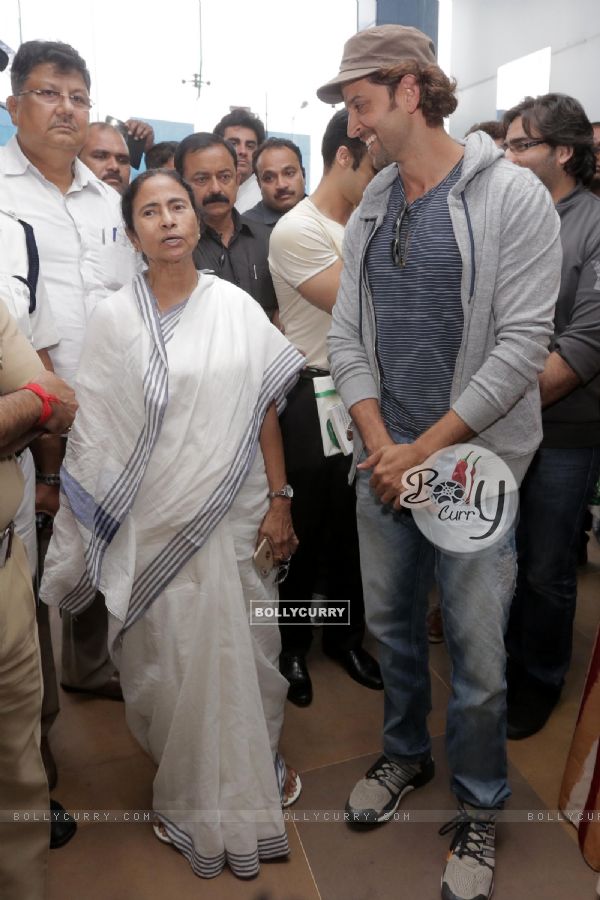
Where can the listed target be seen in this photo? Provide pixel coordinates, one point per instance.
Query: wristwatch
(286, 491)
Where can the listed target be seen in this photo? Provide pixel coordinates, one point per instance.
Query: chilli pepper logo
(463, 499)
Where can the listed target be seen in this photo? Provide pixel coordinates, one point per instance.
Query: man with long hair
(440, 328)
(552, 136)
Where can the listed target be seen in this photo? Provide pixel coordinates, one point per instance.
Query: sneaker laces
(386, 772)
(473, 838)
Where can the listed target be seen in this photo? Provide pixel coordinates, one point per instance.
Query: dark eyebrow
(152, 203)
(352, 100)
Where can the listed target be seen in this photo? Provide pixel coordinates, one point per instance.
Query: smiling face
(105, 153)
(245, 142)
(165, 226)
(43, 127)
(376, 119)
(280, 177)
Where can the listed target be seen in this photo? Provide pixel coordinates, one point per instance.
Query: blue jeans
(399, 566)
(554, 497)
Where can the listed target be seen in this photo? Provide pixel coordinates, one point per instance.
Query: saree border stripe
(242, 864)
(157, 575)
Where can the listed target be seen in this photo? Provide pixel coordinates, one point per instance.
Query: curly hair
(437, 91)
(560, 121)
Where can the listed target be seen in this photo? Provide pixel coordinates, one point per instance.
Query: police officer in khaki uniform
(32, 401)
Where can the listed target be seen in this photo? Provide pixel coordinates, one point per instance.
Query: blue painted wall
(7, 129)
(422, 14)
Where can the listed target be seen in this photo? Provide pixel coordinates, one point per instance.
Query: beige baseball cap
(377, 48)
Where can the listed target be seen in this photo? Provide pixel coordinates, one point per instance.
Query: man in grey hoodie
(440, 330)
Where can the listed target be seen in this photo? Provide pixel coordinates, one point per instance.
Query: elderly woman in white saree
(164, 490)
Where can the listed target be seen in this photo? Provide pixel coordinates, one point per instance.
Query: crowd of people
(169, 348)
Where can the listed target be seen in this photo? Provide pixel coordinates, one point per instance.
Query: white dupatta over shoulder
(163, 488)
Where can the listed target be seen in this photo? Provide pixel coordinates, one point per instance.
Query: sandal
(161, 832)
(290, 798)
(284, 776)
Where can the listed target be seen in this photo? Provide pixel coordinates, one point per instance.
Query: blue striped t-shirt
(418, 307)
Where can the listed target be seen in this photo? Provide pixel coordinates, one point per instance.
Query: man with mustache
(84, 255)
(277, 164)
(106, 154)
(230, 245)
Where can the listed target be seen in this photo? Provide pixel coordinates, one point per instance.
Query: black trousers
(324, 516)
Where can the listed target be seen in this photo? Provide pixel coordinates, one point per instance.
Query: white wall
(488, 33)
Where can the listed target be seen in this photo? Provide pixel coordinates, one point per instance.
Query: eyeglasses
(520, 145)
(51, 98)
(401, 239)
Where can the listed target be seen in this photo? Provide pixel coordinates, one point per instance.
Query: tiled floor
(331, 742)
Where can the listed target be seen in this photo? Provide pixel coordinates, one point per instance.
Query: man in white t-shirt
(84, 255)
(305, 258)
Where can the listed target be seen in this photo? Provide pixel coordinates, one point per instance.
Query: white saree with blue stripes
(162, 492)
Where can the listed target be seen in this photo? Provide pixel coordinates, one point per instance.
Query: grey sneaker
(375, 797)
(469, 872)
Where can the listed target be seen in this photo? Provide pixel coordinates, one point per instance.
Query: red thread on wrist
(46, 398)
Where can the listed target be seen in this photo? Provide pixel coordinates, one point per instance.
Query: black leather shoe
(293, 667)
(360, 666)
(62, 826)
(529, 708)
(49, 763)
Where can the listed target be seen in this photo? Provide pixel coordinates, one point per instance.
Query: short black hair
(275, 143)
(560, 121)
(336, 136)
(495, 129)
(106, 126)
(132, 190)
(201, 140)
(241, 118)
(35, 53)
(160, 154)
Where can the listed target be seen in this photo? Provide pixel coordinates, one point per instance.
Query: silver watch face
(286, 491)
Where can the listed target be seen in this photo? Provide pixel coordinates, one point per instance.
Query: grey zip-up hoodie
(508, 235)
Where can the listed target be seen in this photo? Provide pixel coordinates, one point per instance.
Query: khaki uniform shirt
(19, 363)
